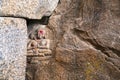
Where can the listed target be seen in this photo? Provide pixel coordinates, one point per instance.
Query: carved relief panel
(38, 47)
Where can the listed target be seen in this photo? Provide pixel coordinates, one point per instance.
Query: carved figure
(38, 45)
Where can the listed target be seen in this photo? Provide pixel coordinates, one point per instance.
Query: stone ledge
(13, 41)
(32, 9)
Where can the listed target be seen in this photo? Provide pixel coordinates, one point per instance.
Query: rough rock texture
(87, 42)
(13, 41)
(33, 9)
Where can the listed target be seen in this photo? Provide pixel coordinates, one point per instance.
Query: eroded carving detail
(38, 45)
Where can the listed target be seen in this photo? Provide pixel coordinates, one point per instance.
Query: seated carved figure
(38, 45)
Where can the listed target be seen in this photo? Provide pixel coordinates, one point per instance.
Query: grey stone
(13, 41)
(33, 9)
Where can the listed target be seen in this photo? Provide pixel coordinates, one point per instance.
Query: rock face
(84, 37)
(87, 41)
(33, 9)
(13, 41)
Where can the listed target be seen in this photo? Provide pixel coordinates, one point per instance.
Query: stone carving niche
(38, 47)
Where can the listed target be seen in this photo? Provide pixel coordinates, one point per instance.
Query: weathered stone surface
(33, 9)
(13, 41)
(87, 42)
